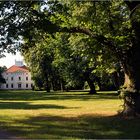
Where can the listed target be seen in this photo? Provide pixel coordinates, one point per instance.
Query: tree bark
(47, 84)
(131, 66)
(131, 88)
(92, 86)
(48, 89)
(90, 80)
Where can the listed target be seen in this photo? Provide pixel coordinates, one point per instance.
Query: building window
(19, 85)
(26, 85)
(19, 78)
(6, 85)
(26, 78)
(12, 86)
(12, 78)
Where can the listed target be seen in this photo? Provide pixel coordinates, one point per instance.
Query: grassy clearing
(69, 115)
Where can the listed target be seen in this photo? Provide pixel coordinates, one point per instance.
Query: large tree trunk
(131, 90)
(131, 65)
(131, 98)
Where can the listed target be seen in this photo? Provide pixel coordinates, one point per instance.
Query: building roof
(15, 68)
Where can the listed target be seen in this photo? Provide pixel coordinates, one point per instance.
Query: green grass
(68, 115)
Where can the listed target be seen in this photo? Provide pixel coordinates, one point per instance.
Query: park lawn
(64, 115)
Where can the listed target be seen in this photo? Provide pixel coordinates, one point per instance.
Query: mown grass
(66, 115)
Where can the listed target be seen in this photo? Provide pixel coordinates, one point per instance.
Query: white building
(17, 77)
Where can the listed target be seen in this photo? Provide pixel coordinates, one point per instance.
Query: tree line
(68, 61)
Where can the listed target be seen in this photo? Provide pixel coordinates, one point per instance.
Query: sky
(9, 60)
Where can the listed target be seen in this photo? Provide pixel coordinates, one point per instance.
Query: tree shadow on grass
(31, 95)
(28, 106)
(81, 127)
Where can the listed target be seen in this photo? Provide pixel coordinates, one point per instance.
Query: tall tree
(39, 57)
(2, 69)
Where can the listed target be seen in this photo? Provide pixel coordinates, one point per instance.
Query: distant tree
(2, 69)
(79, 59)
(39, 59)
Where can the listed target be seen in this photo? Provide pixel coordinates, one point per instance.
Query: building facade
(17, 77)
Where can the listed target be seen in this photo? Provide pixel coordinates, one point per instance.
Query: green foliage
(69, 57)
(39, 58)
(2, 69)
(107, 18)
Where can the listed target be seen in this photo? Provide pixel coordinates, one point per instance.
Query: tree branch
(44, 24)
(132, 5)
(78, 30)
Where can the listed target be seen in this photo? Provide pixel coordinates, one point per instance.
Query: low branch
(78, 30)
(44, 24)
(132, 5)
(100, 38)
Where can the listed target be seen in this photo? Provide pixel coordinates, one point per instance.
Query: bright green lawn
(71, 115)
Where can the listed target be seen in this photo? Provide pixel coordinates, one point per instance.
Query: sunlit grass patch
(65, 115)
